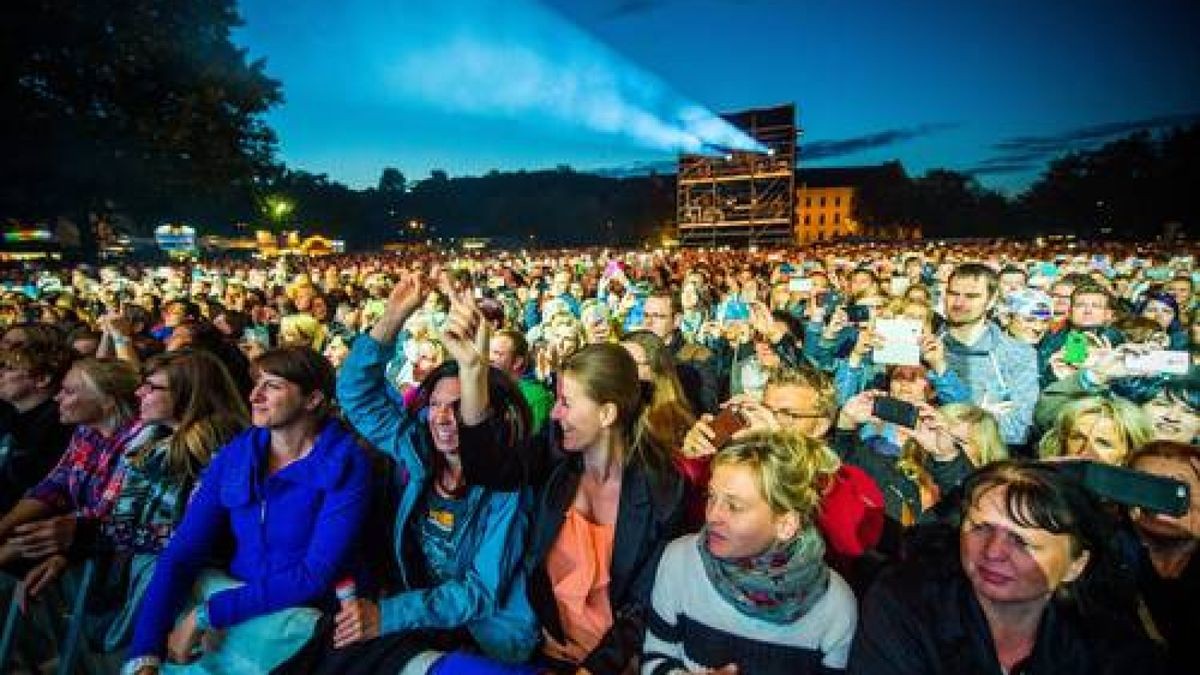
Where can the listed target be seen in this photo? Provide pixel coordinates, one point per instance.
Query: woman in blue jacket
(458, 545)
(292, 492)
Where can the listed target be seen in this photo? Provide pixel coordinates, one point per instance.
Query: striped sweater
(693, 628)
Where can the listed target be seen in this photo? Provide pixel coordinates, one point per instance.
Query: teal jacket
(487, 593)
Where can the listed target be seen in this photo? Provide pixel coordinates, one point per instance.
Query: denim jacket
(487, 593)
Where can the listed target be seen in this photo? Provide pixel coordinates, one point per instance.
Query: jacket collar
(323, 468)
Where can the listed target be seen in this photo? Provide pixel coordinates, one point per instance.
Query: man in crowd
(508, 350)
(31, 437)
(1000, 371)
(661, 313)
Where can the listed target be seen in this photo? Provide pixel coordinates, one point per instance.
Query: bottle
(347, 591)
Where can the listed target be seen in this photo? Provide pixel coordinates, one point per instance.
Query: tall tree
(143, 106)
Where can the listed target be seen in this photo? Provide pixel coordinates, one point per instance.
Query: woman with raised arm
(457, 544)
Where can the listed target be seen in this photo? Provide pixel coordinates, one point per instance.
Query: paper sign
(1158, 361)
(901, 342)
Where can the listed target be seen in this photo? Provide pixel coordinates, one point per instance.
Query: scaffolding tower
(742, 198)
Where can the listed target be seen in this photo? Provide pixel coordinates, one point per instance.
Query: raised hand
(933, 353)
(406, 296)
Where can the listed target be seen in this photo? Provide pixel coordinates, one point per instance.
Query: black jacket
(648, 518)
(31, 443)
(922, 618)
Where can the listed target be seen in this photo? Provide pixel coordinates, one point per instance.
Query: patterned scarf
(779, 585)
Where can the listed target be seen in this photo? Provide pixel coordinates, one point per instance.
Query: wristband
(119, 340)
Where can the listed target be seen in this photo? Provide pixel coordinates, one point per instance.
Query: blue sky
(988, 86)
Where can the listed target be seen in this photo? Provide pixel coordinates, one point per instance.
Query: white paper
(901, 342)
(1158, 361)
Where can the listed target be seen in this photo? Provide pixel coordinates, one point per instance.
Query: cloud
(848, 146)
(1024, 153)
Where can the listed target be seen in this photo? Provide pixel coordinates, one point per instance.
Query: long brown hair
(208, 408)
(668, 415)
(608, 374)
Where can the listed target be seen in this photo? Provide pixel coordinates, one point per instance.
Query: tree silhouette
(145, 106)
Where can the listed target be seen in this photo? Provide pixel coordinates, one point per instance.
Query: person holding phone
(901, 440)
(858, 371)
(1165, 558)
(799, 400)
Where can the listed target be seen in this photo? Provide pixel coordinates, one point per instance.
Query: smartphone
(895, 411)
(858, 313)
(1075, 350)
(1130, 487)
(727, 423)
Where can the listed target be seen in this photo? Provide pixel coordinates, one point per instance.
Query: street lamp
(277, 209)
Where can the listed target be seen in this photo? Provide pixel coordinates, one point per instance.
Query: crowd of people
(867, 458)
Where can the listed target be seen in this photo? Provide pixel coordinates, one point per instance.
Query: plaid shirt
(85, 481)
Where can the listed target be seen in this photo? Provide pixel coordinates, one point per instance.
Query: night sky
(991, 87)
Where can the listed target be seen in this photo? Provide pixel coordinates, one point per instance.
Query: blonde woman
(1104, 428)
(751, 593)
(192, 401)
(976, 432)
(98, 397)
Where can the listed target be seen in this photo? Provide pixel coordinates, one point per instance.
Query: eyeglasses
(785, 415)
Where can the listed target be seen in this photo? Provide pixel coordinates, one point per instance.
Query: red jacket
(850, 516)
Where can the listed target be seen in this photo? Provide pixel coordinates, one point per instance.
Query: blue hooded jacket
(295, 533)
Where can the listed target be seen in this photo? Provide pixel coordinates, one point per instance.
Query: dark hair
(1184, 453)
(1166, 299)
(237, 321)
(504, 398)
(1091, 288)
(38, 335)
(1040, 496)
(303, 367)
(520, 344)
(208, 407)
(975, 270)
(51, 361)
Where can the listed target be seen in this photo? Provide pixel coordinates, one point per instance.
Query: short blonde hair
(985, 432)
(113, 379)
(1133, 424)
(812, 378)
(791, 469)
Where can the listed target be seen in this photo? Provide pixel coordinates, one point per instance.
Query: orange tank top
(578, 564)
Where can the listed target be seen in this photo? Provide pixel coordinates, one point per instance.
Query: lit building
(829, 203)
